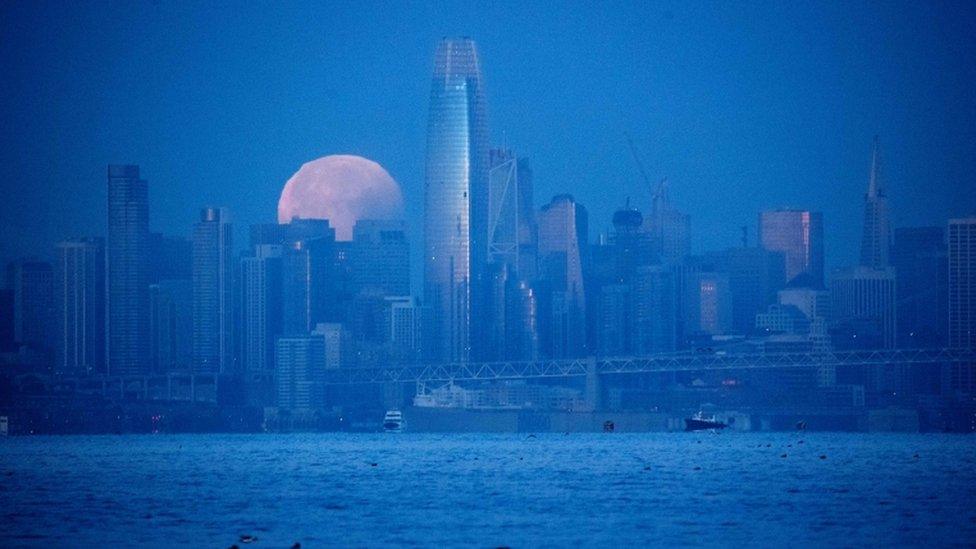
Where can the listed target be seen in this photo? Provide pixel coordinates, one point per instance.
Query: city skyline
(428, 273)
(592, 163)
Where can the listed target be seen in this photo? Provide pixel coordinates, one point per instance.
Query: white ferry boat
(393, 422)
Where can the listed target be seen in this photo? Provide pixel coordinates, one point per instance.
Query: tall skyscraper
(755, 275)
(798, 235)
(310, 285)
(260, 309)
(509, 309)
(456, 198)
(921, 264)
(562, 312)
(406, 328)
(80, 288)
(614, 320)
(629, 244)
(7, 342)
(668, 228)
(213, 293)
(655, 315)
(380, 257)
(128, 271)
(962, 299)
(863, 308)
(300, 362)
(32, 283)
(876, 240)
(714, 303)
(511, 218)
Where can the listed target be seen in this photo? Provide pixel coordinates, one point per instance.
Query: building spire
(874, 185)
(876, 239)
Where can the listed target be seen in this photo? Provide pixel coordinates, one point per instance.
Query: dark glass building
(962, 299)
(34, 317)
(561, 293)
(921, 264)
(213, 292)
(81, 307)
(128, 271)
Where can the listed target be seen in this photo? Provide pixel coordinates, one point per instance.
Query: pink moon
(343, 189)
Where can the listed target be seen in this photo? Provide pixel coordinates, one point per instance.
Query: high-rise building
(213, 292)
(456, 198)
(782, 319)
(812, 303)
(755, 275)
(310, 286)
(80, 288)
(128, 271)
(655, 315)
(32, 283)
(300, 369)
(406, 325)
(510, 306)
(921, 264)
(7, 342)
(171, 325)
(511, 315)
(380, 257)
(614, 322)
(337, 352)
(170, 303)
(511, 218)
(714, 303)
(798, 235)
(260, 309)
(863, 313)
(876, 240)
(962, 299)
(630, 244)
(562, 305)
(668, 228)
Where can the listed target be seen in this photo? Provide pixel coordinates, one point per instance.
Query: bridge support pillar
(593, 389)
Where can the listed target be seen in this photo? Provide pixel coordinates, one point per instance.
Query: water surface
(489, 490)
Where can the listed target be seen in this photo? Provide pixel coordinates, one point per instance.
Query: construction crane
(640, 166)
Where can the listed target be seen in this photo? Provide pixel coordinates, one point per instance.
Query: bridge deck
(671, 362)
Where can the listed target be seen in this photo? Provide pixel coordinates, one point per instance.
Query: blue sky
(742, 105)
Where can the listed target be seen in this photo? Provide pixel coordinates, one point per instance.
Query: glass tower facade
(213, 292)
(128, 271)
(798, 235)
(456, 199)
(80, 287)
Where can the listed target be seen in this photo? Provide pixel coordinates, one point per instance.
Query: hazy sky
(743, 105)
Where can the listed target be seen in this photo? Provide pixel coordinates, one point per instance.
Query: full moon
(343, 189)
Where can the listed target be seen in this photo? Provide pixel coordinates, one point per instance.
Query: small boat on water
(700, 422)
(393, 422)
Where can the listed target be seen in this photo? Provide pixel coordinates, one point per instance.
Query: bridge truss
(671, 362)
